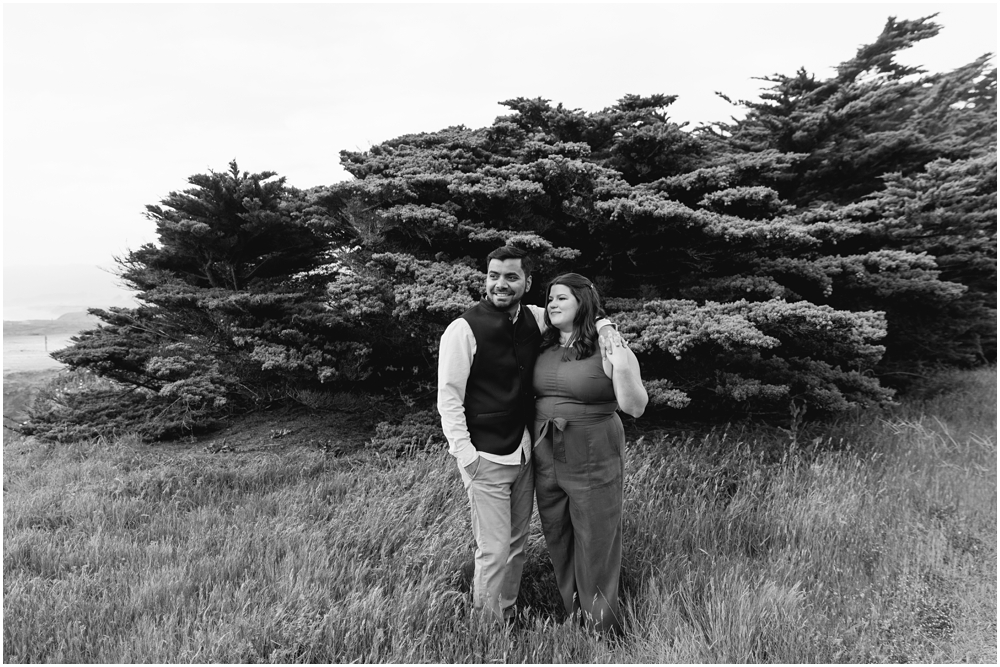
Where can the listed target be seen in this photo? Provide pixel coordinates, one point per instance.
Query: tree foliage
(907, 161)
(777, 259)
(874, 117)
(231, 312)
(841, 231)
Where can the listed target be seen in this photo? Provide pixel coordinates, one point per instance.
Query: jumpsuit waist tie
(553, 428)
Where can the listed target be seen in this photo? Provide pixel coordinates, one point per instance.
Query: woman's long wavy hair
(584, 324)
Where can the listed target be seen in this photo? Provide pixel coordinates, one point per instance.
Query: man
(486, 401)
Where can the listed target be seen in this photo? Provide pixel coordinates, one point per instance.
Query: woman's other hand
(622, 367)
(608, 341)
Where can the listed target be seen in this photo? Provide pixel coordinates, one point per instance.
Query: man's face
(505, 283)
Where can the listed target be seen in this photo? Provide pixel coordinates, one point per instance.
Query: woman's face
(562, 307)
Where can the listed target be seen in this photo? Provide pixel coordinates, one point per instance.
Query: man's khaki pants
(500, 498)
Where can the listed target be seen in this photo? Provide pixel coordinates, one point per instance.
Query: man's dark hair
(513, 252)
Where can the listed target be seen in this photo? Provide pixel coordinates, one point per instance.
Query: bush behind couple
(528, 399)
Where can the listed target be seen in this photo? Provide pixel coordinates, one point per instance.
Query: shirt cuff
(466, 455)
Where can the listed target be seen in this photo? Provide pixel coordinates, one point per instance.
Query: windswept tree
(903, 164)
(754, 266)
(437, 203)
(230, 312)
(874, 117)
(842, 232)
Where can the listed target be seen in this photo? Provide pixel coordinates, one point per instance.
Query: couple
(527, 398)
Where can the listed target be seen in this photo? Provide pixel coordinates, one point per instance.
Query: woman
(580, 381)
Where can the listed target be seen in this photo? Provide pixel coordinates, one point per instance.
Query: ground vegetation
(869, 539)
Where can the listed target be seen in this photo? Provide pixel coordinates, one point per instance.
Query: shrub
(81, 405)
(418, 432)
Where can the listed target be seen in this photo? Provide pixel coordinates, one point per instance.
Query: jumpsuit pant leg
(553, 511)
(597, 529)
(500, 501)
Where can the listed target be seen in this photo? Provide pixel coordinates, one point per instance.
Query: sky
(108, 108)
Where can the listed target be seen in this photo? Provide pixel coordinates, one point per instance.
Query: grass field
(872, 540)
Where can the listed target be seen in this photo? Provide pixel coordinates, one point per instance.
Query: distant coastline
(28, 344)
(68, 323)
(52, 292)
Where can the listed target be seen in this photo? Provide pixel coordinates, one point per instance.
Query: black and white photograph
(472, 332)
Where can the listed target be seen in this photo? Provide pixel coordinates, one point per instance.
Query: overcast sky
(108, 108)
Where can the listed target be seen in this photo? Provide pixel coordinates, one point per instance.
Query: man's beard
(513, 297)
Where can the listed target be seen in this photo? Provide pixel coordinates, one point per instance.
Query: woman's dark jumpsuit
(579, 473)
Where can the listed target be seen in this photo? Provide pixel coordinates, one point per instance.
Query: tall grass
(871, 541)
